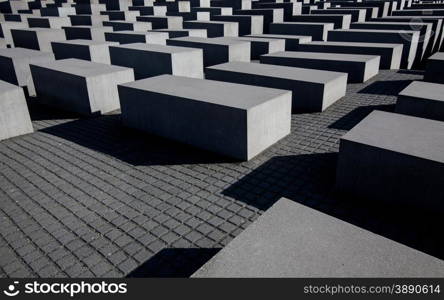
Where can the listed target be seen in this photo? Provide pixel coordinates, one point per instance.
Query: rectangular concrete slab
(216, 50)
(37, 38)
(14, 114)
(14, 65)
(83, 49)
(360, 68)
(235, 120)
(129, 37)
(261, 46)
(152, 60)
(80, 86)
(162, 22)
(293, 240)
(291, 41)
(214, 28)
(247, 24)
(394, 159)
(312, 90)
(435, 68)
(94, 33)
(422, 99)
(339, 21)
(317, 31)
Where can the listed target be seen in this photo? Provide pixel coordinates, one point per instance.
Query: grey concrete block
(235, 120)
(48, 22)
(37, 38)
(270, 15)
(291, 41)
(128, 25)
(5, 30)
(14, 63)
(390, 53)
(14, 114)
(214, 28)
(339, 21)
(253, 24)
(88, 20)
(57, 11)
(129, 37)
(435, 68)
(293, 240)
(317, 31)
(422, 99)
(360, 68)
(152, 60)
(408, 38)
(94, 33)
(174, 33)
(394, 159)
(162, 22)
(357, 15)
(80, 86)
(290, 8)
(312, 90)
(119, 15)
(261, 46)
(83, 49)
(216, 50)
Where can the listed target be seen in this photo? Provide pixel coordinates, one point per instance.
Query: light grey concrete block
(214, 28)
(360, 68)
(3, 43)
(261, 46)
(152, 60)
(83, 49)
(235, 120)
(293, 240)
(291, 41)
(129, 37)
(94, 33)
(80, 86)
(37, 38)
(5, 30)
(48, 22)
(317, 31)
(128, 25)
(422, 99)
(247, 24)
(14, 63)
(435, 68)
(339, 21)
(408, 38)
(393, 159)
(390, 53)
(312, 90)
(14, 114)
(216, 50)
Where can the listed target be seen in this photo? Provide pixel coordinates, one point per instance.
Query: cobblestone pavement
(87, 197)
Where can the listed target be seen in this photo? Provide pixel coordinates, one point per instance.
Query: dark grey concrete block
(83, 49)
(409, 39)
(216, 50)
(231, 119)
(435, 68)
(37, 38)
(339, 21)
(152, 60)
(214, 28)
(291, 41)
(390, 53)
(14, 114)
(293, 240)
(312, 90)
(261, 46)
(394, 159)
(129, 37)
(317, 31)
(422, 99)
(80, 86)
(14, 63)
(359, 67)
(94, 33)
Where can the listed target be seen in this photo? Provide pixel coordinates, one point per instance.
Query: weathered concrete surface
(14, 114)
(435, 68)
(80, 86)
(235, 120)
(293, 240)
(312, 90)
(83, 49)
(422, 99)
(152, 60)
(360, 68)
(387, 156)
(216, 50)
(14, 65)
